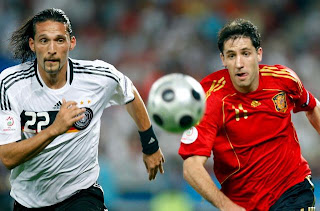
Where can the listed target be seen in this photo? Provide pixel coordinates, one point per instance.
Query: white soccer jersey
(70, 162)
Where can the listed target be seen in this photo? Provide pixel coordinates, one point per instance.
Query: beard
(52, 66)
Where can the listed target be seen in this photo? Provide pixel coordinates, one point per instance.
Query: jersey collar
(69, 73)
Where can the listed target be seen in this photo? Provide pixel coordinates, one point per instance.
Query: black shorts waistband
(94, 190)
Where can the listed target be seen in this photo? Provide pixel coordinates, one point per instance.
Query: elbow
(187, 168)
(8, 157)
(185, 172)
(192, 165)
(8, 163)
(309, 114)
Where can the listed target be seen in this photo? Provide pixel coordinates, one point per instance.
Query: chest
(256, 117)
(39, 108)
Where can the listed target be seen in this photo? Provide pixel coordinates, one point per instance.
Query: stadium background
(147, 39)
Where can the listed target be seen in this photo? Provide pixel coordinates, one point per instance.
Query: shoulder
(12, 81)
(91, 64)
(278, 71)
(217, 83)
(17, 74)
(96, 69)
(280, 75)
(216, 79)
(17, 69)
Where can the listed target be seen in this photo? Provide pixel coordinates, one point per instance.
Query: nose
(239, 62)
(52, 48)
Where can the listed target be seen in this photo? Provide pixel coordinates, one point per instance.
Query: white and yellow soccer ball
(176, 102)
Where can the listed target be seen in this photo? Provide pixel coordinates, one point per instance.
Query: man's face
(51, 45)
(242, 61)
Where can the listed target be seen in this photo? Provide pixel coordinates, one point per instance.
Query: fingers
(154, 163)
(161, 168)
(77, 113)
(146, 167)
(73, 110)
(68, 104)
(153, 171)
(69, 114)
(150, 171)
(79, 116)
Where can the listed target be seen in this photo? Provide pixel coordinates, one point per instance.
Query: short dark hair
(239, 28)
(19, 41)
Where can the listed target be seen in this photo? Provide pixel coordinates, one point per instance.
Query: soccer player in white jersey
(50, 110)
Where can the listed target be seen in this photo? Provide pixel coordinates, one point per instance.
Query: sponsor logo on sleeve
(189, 136)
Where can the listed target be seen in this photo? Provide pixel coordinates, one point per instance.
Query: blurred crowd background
(146, 39)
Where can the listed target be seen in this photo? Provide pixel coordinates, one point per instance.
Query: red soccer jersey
(255, 147)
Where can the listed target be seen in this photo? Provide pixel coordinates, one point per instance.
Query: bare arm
(139, 114)
(314, 117)
(16, 153)
(198, 177)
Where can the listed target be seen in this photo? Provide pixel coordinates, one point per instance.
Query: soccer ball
(176, 102)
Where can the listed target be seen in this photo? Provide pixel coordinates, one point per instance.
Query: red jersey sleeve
(302, 98)
(199, 140)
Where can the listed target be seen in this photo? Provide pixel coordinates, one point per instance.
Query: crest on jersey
(280, 102)
(85, 121)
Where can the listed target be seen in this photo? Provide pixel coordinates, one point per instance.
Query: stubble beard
(52, 70)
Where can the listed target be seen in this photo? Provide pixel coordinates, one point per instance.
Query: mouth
(51, 60)
(241, 76)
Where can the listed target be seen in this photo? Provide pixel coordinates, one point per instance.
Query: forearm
(314, 117)
(16, 153)
(138, 112)
(197, 176)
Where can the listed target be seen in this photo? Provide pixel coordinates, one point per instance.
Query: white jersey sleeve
(123, 93)
(10, 125)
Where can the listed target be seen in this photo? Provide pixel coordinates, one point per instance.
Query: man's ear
(259, 52)
(73, 43)
(222, 59)
(31, 44)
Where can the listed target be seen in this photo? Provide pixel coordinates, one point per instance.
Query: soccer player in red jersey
(247, 126)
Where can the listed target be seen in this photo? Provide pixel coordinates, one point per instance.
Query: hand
(154, 162)
(69, 114)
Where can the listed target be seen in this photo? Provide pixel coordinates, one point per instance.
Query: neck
(245, 90)
(54, 80)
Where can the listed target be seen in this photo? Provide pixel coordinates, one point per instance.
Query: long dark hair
(239, 28)
(19, 42)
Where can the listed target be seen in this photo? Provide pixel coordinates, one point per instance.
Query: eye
(246, 53)
(43, 41)
(231, 56)
(61, 40)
